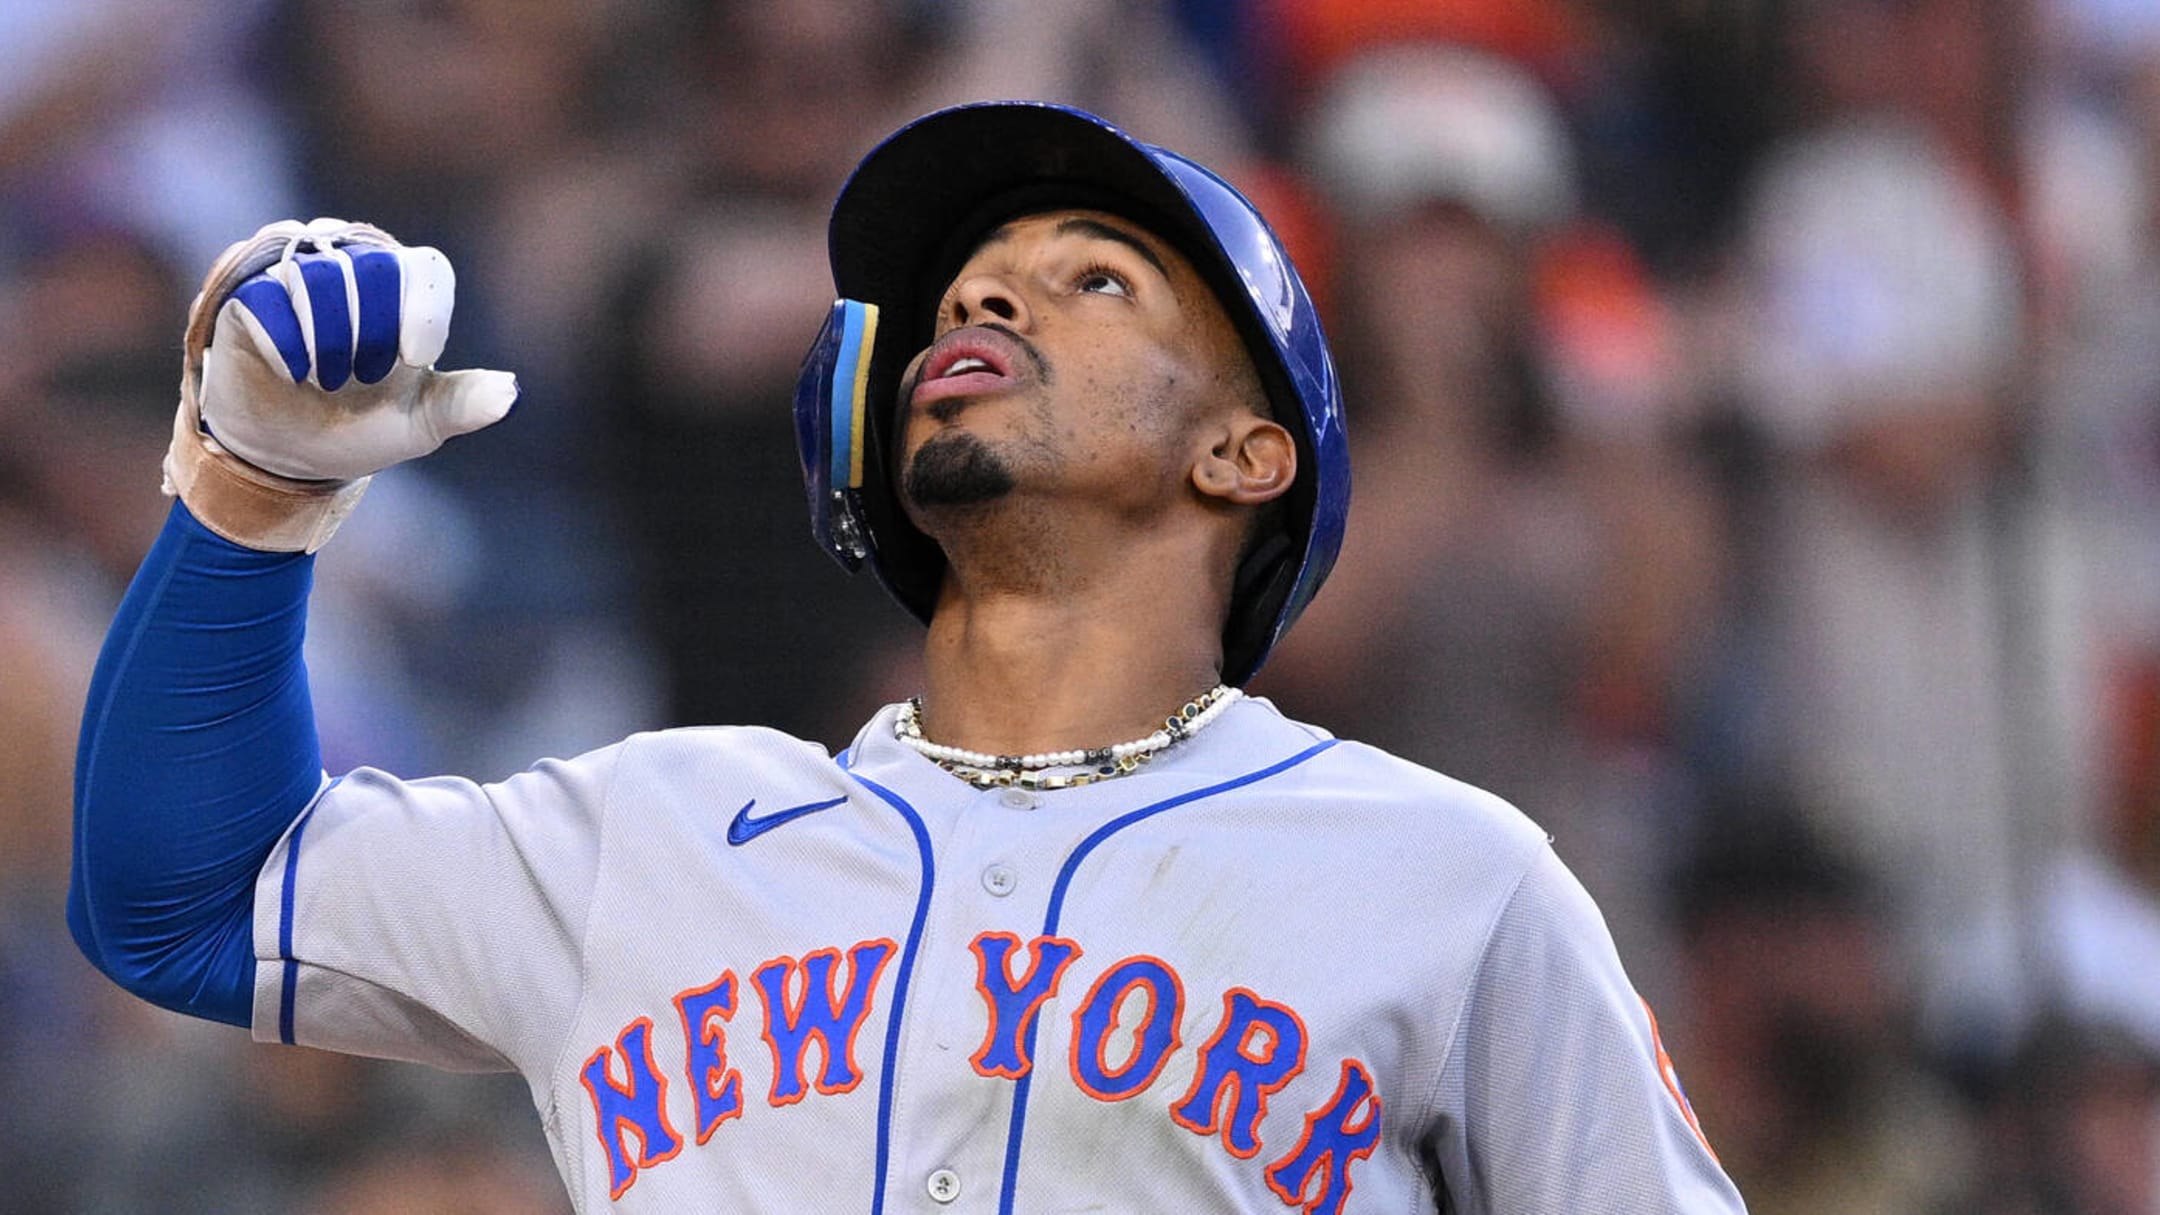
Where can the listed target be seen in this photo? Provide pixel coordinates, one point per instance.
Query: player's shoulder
(677, 746)
(1423, 803)
(1358, 779)
(655, 753)
(679, 773)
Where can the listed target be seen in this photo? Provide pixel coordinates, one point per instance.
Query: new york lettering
(1125, 1034)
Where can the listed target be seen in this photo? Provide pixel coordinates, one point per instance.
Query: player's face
(1075, 356)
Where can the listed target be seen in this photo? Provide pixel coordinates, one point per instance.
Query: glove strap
(230, 496)
(243, 503)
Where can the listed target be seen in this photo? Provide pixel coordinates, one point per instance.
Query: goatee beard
(955, 469)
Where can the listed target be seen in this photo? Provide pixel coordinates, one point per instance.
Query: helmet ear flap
(1266, 574)
(831, 429)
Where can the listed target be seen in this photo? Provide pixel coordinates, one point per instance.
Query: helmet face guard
(829, 431)
(912, 212)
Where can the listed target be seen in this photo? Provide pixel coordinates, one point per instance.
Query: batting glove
(309, 368)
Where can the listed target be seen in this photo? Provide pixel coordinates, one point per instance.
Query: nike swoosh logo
(745, 828)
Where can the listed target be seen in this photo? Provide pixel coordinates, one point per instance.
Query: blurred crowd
(1755, 407)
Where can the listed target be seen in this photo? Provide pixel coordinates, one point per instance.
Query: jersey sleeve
(1559, 1095)
(438, 920)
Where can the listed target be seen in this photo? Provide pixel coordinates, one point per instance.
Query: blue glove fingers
(266, 298)
(325, 279)
(375, 272)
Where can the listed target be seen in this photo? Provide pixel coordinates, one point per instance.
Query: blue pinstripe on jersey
(900, 984)
(290, 980)
(1057, 907)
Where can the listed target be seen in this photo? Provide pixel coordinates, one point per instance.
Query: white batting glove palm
(310, 367)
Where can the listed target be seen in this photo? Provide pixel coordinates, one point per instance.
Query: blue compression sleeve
(198, 749)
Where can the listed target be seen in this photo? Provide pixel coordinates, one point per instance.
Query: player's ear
(1249, 460)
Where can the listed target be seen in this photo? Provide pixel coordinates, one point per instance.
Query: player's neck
(1086, 663)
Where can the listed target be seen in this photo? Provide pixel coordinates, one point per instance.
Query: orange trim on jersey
(888, 949)
(1324, 1164)
(845, 1052)
(623, 1124)
(991, 1032)
(709, 1030)
(1671, 1076)
(1230, 1081)
(789, 967)
(1117, 1005)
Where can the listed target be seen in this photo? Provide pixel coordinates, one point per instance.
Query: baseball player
(1079, 928)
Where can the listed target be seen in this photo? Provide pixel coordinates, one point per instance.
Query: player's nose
(984, 296)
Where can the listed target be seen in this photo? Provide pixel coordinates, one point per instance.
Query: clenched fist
(310, 366)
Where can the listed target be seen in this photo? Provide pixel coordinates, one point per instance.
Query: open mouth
(967, 362)
(965, 365)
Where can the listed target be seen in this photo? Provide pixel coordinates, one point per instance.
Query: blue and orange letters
(1331, 1143)
(717, 1087)
(1257, 1049)
(1124, 1033)
(1155, 1034)
(1012, 1003)
(635, 1109)
(830, 1017)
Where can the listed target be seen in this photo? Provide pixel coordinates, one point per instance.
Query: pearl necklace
(986, 771)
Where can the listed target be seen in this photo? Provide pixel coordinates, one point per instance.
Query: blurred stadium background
(1756, 406)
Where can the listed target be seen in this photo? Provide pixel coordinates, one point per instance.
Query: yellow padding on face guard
(851, 385)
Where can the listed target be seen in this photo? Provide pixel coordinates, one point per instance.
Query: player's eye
(1102, 280)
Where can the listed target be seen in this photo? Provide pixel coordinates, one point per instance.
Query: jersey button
(1000, 880)
(1017, 799)
(944, 1185)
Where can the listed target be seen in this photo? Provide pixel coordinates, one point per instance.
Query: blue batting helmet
(903, 224)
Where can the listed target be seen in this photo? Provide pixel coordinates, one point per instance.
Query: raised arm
(308, 368)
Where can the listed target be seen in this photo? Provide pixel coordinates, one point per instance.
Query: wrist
(245, 504)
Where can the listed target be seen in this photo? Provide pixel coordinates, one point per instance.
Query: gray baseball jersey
(1268, 971)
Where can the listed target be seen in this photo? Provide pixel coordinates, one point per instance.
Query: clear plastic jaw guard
(830, 430)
